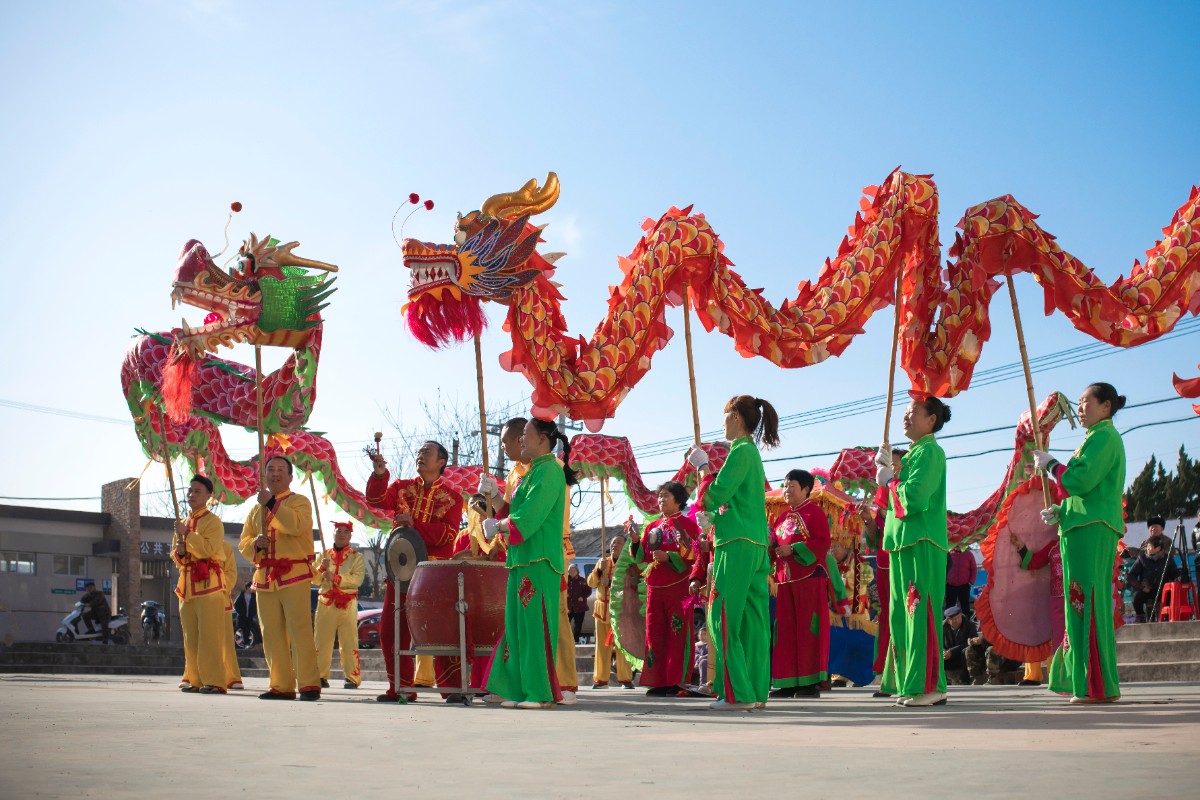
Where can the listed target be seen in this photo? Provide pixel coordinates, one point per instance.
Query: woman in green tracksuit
(1090, 521)
(522, 668)
(734, 502)
(915, 536)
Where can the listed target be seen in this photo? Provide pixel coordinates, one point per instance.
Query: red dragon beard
(438, 323)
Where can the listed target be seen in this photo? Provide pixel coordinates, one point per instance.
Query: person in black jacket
(246, 607)
(957, 631)
(96, 611)
(1153, 568)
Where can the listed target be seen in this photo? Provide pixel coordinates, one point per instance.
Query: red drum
(433, 593)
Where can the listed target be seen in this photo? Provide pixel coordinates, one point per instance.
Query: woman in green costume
(915, 536)
(522, 669)
(1090, 521)
(734, 502)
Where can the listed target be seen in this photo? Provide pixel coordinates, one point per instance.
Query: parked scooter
(74, 629)
(153, 621)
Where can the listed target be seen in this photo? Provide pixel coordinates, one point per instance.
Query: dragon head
(269, 298)
(492, 256)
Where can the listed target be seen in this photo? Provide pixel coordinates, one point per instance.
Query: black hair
(676, 490)
(1107, 393)
(442, 454)
(802, 477)
(550, 431)
(1155, 521)
(759, 417)
(938, 410)
(203, 481)
(516, 423)
(284, 459)
(90, 583)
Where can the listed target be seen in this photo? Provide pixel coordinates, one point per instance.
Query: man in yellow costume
(339, 575)
(600, 579)
(233, 672)
(278, 539)
(202, 591)
(564, 657)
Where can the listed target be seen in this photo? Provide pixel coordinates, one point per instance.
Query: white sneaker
(493, 699)
(927, 699)
(236, 685)
(721, 705)
(903, 700)
(534, 704)
(568, 699)
(185, 684)
(760, 705)
(508, 704)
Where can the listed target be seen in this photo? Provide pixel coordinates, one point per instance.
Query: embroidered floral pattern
(1076, 597)
(526, 591)
(913, 600)
(676, 623)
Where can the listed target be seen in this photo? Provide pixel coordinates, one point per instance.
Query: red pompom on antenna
(235, 206)
(414, 198)
(429, 205)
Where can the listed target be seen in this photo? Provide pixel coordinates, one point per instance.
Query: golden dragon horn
(284, 257)
(528, 199)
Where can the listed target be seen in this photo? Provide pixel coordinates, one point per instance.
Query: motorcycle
(244, 636)
(153, 621)
(73, 628)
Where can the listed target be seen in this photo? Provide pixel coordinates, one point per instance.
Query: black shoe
(190, 689)
(626, 684)
(349, 685)
(807, 691)
(387, 698)
(454, 698)
(275, 696)
(838, 682)
(311, 694)
(880, 694)
(212, 690)
(787, 691)
(599, 685)
(1024, 682)
(658, 691)
(324, 683)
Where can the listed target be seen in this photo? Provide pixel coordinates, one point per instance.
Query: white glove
(883, 475)
(703, 521)
(491, 528)
(697, 457)
(488, 486)
(1050, 515)
(1041, 460)
(883, 456)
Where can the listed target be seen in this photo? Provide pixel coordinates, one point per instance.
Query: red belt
(338, 598)
(278, 567)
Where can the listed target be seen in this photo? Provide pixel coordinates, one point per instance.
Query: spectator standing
(960, 577)
(578, 592)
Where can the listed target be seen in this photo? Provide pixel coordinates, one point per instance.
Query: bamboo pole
(258, 399)
(691, 363)
(887, 414)
(316, 511)
(1033, 417)
(483, 433)
(603, 518)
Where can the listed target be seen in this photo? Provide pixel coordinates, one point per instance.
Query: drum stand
(461, 607)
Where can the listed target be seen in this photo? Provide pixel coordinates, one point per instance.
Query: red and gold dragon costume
(944, 322)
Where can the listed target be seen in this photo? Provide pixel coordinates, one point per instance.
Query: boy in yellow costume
(278, 539)
(201, 590)
(600, 579)
(339, 575)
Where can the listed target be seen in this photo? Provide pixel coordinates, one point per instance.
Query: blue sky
(129, 126)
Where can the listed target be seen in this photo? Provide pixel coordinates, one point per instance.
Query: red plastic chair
(1177, 602)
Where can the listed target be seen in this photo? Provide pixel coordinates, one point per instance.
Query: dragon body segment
(894, 237)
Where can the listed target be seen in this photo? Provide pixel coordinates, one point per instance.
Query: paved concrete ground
(131, 737)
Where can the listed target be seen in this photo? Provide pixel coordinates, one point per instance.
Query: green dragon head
(269, 298)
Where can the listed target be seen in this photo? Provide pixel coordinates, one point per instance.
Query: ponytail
(1107, 393)
(759, 417)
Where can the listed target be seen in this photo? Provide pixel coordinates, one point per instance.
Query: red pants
(800, 656)
(446, 668)
(884, 637)
(668, 636)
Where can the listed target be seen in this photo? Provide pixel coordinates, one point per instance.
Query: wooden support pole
(316, 510)
(483, 433)
(1033, 417)
(258, 399)
(887, 414)
(691, 363)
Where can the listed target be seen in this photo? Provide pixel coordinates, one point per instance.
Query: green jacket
(740, 485)
(917, 499)
(536, 516)
(1094, 480)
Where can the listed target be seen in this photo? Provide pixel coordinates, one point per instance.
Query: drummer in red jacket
(435, 511)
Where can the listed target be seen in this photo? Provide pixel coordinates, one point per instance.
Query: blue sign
(107, 585)
(81, 584)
